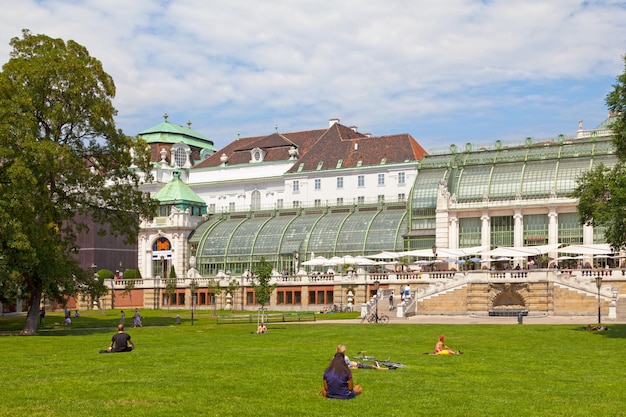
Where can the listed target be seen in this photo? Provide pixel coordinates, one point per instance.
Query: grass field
(226, 370)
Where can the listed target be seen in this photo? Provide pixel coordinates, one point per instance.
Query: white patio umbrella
(385, 255)
(318, 261)
(590, 249)
(363, 261)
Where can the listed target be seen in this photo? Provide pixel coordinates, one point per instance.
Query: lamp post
(376, 285)
(192, 288)
(599, 285)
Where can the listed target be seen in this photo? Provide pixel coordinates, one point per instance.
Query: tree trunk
(32, 318)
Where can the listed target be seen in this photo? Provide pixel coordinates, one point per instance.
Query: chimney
(354, 128)
(333, 122)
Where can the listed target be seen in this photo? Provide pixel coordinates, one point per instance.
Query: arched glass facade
(236, 242)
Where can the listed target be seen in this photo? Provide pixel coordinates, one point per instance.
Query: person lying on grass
(120, 342)
(442, 349)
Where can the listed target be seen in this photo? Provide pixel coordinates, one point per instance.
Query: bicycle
(341, 309)
(373, 318)
(362, 358)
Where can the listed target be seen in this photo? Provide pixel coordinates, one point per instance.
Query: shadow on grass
(612, 331)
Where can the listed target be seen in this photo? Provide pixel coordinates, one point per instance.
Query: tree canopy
(62, 161)
(261, 284)
(601, 191)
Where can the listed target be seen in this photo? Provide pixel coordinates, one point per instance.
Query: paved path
(435, 319)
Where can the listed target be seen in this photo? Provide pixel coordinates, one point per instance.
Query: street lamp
(599, 285)
(192, 287)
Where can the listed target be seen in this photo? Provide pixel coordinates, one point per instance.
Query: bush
(132, 274)
(105, 274)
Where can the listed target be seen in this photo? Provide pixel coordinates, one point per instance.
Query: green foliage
(261, 283)
(63, 161)
(506, 370)
(601, 192)
(105, 274)
(172, 272)
(94, 289)
(132, 274)
(170, 290)
(616, 102)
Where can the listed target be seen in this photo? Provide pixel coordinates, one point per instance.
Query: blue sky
(448, 72)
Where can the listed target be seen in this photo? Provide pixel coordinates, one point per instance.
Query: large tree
(62, 161)
(601, 191)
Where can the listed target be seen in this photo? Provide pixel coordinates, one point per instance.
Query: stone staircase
(564, 295)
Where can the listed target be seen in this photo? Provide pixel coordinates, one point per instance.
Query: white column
(553, 226)
(453, 232)
(485, 234)
(518, 228)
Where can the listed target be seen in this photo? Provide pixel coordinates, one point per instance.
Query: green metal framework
(236, 242)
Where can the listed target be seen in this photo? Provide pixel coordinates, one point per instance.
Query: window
(339, 182)
(296, 186)
(381, 179)
(231, 206)
(340, 201)
(360, 199)
(279, 203)
(401, 197)
(212, 207)
(255, 200)
(502, 231)
(295, 204)
(321, 295)
(250, 297)
(360, 181)
(318, 184)
(318, 202)
(381, 198)
(288, 297)
(401, 178)
(180, 157)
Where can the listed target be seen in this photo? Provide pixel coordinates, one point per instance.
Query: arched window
(255, 200)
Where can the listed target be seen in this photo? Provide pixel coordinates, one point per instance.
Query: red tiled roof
(328, 146)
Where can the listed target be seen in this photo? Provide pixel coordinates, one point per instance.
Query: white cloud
(388, 67)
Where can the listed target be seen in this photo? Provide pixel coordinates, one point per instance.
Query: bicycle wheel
(371, 318)
(384, 319)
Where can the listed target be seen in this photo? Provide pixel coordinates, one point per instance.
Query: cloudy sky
(447, 72)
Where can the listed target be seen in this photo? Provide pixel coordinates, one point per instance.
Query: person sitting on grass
(442, 349)
(338, 381)
(261, 329)
(120, 342)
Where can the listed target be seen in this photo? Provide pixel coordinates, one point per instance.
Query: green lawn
(225, 370)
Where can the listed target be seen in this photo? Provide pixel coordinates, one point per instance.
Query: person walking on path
(137, 319)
